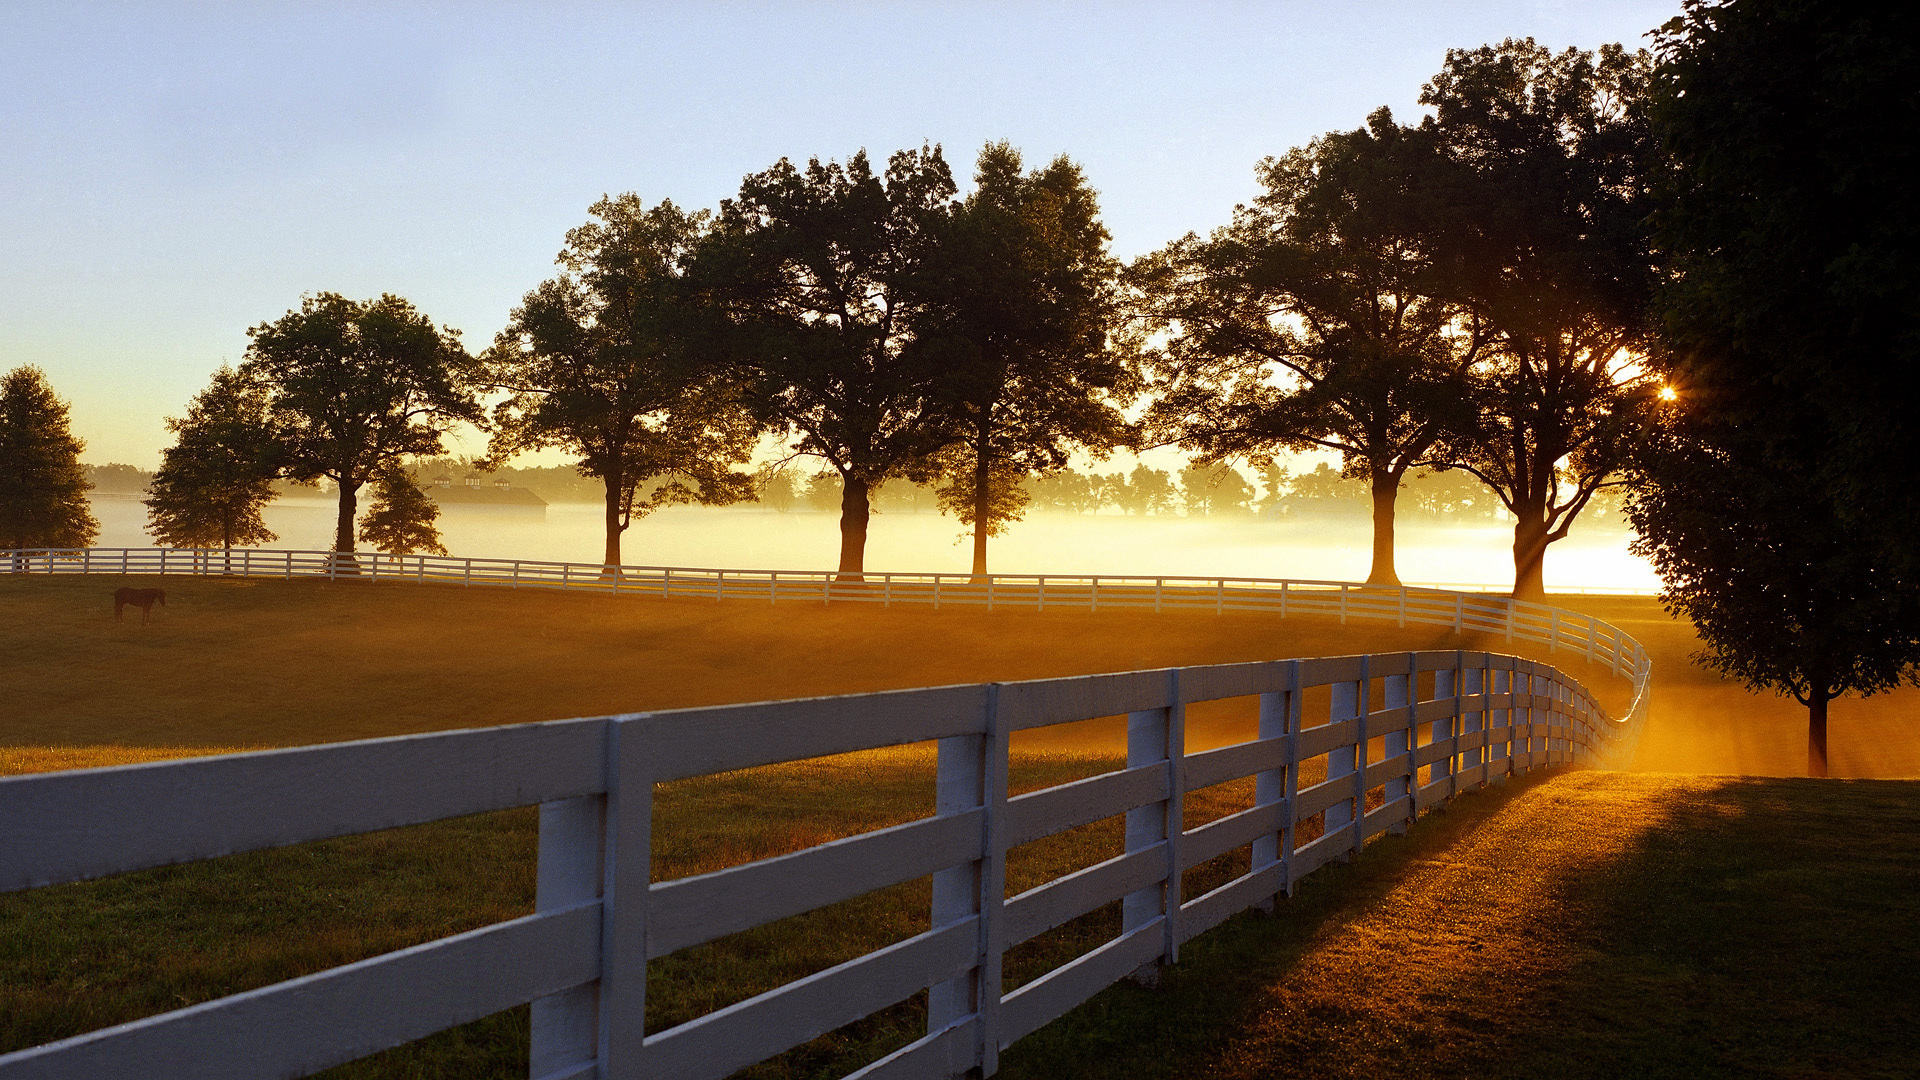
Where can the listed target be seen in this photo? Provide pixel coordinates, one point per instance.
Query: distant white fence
(1402, 731)
(1599, 641)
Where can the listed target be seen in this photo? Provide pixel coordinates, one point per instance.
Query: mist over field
(1476, 555)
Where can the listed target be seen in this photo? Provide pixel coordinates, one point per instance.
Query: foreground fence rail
(1392, 734)
(1404, 605)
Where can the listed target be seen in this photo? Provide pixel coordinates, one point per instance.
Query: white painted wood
(88, 823)
(1225, 763)
(1221, 835)
(317, 1021)
(1045, 702)
(1052, 995)
(943, 1053)
(959, 786)
(729, 1039)
(1315, 741)
(626, 867)
(1326, 848)
(1044, 907)
(565, 1026)
(1212, 908)
(692, 910)
(1082, 802)
(696, 742)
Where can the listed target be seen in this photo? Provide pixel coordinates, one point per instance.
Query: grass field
(232, 664)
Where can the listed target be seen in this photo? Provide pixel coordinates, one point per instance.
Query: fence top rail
(68, 826)
(1479, 594)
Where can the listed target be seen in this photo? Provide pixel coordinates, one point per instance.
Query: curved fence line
(1597, 640)
(1347, 748)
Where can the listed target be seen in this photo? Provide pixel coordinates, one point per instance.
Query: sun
(1668, 393)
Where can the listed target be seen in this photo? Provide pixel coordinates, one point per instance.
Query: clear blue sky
(171, 174)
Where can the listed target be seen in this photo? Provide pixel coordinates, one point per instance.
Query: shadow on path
(1584, 925)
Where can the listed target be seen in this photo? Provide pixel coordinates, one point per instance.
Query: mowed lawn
(1498, 899)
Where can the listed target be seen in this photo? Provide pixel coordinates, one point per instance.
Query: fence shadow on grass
(1708, 927)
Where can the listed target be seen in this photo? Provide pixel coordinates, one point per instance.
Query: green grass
(1690, 921)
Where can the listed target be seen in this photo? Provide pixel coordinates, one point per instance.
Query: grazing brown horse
(143, 599)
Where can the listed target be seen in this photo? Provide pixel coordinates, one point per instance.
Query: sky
(172, 174)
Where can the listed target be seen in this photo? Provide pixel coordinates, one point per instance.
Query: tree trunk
(343, 562)
(854, 512)
(1529, 559)
(982, 502)
(343, 523)
(610, 562)
(1817, 699)
(1385, 490)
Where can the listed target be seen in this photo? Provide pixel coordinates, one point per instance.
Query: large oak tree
(814, 270)
(356, 386)
(1018, 308)
(604, 362)
(1545, 241)
(1311, 322)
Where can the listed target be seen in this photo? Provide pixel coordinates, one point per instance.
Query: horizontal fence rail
(1462, 611)
(1388, 735)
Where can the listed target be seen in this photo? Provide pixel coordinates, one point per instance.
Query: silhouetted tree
(1207, 490)
(1787, 595)
(1311, 322)
(401, 520)
(773, 486)
(218, 474)
(355, 386)
(1778, 504)
(599, 362)
(1019, 303)
(1545, 241)
(814, 271)
(43, 487)
(1791, 132)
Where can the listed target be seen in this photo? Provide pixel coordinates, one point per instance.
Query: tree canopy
(218, 474)
(355, 386)
(1313, 320)
(401, 520)
(605, 362)
(1778, 504)
(814, 272)
(1017, 311)
(43, 487)
(1544, 238)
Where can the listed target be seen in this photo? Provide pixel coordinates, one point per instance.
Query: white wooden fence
(1408, 729)
(1462, 611)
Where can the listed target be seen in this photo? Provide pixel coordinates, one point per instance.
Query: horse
(141, 598)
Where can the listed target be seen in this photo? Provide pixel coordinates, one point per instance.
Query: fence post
(1157, 737)
(1499, 726)
(1400, 692)
(1474, 719)
(719, 585)
(1446, 684)
(565, 1025)
(1220, 597)
(1093, 595)
(1040, 593)
(773, 587)
(972, 772)
(1279, 718)
(1349, 702)
(625, 876)
(1283, 599)
(1403, 606)
(1157, 583)
(1343, 605)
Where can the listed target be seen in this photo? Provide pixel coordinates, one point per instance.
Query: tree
(1544, 239)
(1018, 306)
(1791, 136)
(43, 486)
(1311, 322)
(1777, 504)
(814, 272)
(355, 386)
(218, 474)
(1209, 490)
(401, 521)
(600, 362)
(1784, 590)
